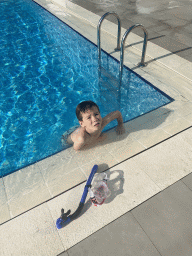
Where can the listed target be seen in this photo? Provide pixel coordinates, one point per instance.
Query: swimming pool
(47, 69)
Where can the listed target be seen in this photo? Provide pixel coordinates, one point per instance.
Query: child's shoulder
(79, 134)
(75, 133)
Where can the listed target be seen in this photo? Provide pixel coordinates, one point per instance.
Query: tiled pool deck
(154, 153)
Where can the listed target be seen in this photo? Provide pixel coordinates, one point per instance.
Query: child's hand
(120, 129)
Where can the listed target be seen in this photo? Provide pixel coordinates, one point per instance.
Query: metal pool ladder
(142, 63)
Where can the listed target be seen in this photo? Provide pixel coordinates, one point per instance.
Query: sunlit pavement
(169, 23)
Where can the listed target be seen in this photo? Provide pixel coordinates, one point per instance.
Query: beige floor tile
(158, 112)
(167, 162)
(56, 166)
(104, 162)
(186, 70)
(153, 138)
(129, 56)
(182, 85)
(4, 208)
(153, 124)
(177, 104)
(84, 156)
(156, 51)
(25, 189)
(138, 70)
(185, 110)
(65, 182)
(174, 62)
(188, 118)
(128, 150)
(139, 121)
(158, 71)
(176, 126)
(33, 233)
(187, 137)
(117, 141)
(137, 185)
(165, 120)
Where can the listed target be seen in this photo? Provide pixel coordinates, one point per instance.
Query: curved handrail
(122, 48)
(99, 34)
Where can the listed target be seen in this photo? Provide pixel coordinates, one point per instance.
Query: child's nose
(95, 118)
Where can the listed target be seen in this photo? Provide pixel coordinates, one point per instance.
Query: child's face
(92, 119)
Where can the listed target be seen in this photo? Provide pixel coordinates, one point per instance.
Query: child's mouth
(96, 124)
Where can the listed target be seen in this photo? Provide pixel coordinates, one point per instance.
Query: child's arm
(79, 144)
(79, 140)
(114, 115)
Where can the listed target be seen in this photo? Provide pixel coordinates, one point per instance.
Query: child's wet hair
(83, 107)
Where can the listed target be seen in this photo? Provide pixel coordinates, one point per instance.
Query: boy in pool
(92, 124)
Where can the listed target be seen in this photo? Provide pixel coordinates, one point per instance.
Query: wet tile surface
(25, 189)
(168, 22)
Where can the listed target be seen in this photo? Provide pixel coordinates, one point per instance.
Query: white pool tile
(62, 183)
(25, 189)
(130, 149)
(186, 70)
(186, 136)
(84, 156)
(188, 118)
(168, 162)
(137, 185)
(104, 162)
(177, 126)
(4, 208)
(153, 138)
(153, 122)
(185, 110)
(33, 233)
(56, 166)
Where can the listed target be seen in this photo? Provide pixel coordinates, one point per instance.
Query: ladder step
(108, 81)
(108, 75)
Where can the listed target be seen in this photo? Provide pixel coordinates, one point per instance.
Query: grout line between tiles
(44, 181)
(7, 201)
(144, 231)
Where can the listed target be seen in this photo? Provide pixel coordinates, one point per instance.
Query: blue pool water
(47, 69)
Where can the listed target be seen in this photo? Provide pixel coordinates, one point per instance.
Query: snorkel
(98, 194)
(64, 218)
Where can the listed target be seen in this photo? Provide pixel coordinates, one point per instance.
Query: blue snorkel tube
(64, 218)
